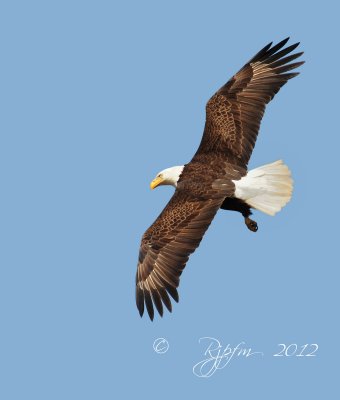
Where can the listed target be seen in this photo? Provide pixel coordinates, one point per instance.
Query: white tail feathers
(267, 188)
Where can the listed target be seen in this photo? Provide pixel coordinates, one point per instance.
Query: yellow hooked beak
(157, 181)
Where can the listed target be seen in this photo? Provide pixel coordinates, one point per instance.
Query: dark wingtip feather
(288, 67)
(140, 300)
(165, 298)
(157, 301)
(291, 47)
(277, 47)
(291, 75)
(173, 292)
(286, 60)
(149, 306)
(261, 52)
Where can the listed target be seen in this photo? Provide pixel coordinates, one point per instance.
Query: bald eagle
(217, 176)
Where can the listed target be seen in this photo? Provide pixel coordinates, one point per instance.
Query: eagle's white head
(168, 176)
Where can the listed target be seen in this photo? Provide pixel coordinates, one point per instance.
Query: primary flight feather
(217, 176)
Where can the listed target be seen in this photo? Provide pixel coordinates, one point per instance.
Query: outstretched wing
(234, 113)
(167, 245)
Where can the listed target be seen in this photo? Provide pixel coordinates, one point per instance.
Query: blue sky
(96, 98)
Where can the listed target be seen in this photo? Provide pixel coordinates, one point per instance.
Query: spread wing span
(235, 111)
(233, 117)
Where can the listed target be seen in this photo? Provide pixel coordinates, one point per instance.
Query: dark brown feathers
(233, 117)
(176, 233)
(234, 113)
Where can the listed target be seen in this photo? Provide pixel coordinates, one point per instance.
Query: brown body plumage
(233, 117)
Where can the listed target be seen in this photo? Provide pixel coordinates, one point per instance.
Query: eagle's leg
(251, 224)
(234, 204)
